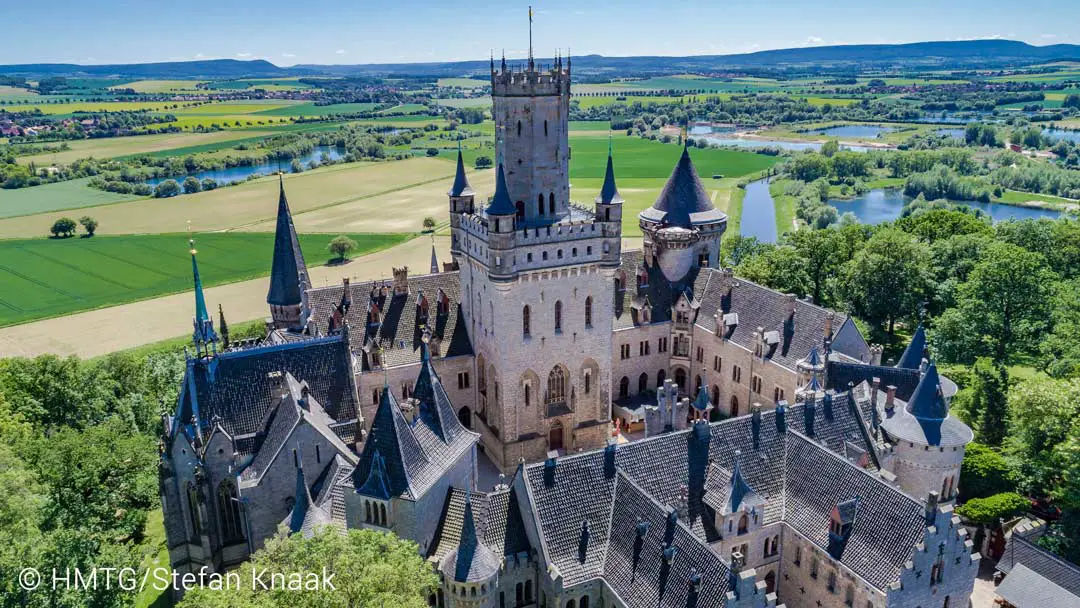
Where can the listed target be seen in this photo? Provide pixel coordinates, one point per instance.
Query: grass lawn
(41, 278)
(159, 558)
(641, 158)
(72, 194)
(465, 102)
(784, 205)
(1014, 197)
(255, 201)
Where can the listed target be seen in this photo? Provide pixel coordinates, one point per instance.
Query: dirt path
(98, 332)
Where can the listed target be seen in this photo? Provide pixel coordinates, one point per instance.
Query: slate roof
(400, 330)
(925, 419)
(840, 373)
(498, 520)
(659, 293)
(501, 203)
(686, 470)
(1025, 588)
(461, 185)
(471, 560)
(683, 202)
(913, 354)
(288, 272)
(1021, 550)
(239, 386)
(407, 459)
(886, 528)
(609, 193)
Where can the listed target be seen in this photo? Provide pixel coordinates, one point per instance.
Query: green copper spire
(204, 328)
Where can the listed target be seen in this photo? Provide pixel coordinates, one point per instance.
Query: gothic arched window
(229, 510)
(519, 128)
(588, 311)
(193, 509)
(551, 202)
(540, 203)
(558, 316)
(624, 387)
(556, 385)
(525, 321)
(643, 382)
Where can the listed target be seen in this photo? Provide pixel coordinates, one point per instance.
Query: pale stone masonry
(782, 464)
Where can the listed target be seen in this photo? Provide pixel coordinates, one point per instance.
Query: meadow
(463, 83)
(71, 194)
(42, 278)
(160, 86)
(112, 147)
(71, 107)
(310, 109)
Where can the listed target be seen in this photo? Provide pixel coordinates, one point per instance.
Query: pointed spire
(501, 204)
(223, 326)
(471, 560)
(204, 328)
(915, 351)
(928, 402)
(609, 194)
(461, 185)
(434, 259)
(739, 489)
(683, 200)
(288, 275)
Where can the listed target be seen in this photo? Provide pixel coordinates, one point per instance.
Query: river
(241, 173)
(882, 205)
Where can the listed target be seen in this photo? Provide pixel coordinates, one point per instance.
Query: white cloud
(339, 52)
(200, 56)
(288, 55)
(814, 40)
(243, 55)
(1048, 36)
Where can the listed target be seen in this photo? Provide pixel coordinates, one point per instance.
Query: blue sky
(366, 31)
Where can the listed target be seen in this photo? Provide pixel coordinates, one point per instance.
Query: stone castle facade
(782, 461)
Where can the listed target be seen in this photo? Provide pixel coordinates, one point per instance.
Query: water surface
(882, 205)
(758, 212)
(239, 174)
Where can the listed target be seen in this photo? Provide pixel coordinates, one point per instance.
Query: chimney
(609, 457)
(401, 281)
(755, 425)
(829, 316)
(789, 300)
(583, 541)
(781, 416)
(826, 403)
(549, 468)
(809, 411)
(931, 507)
(642, 528)
(304, 392)
(875, 354)
(890, 399)
(875, 386)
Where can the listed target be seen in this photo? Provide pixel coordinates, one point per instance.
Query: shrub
(993, 508)
(483, 162)
(341, 246)
(166, 189)
(89, 224)
(429, 223)
(432, 151)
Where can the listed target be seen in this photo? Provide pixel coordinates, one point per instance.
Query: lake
(882, 205)
(853, 131)
(957, 133)
(238, 174)
(758, 212)
(1059, 134)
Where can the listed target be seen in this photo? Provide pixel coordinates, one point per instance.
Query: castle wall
(921, 469)
(772, 375)
(798, 586)
(942, 566)
(637, 364)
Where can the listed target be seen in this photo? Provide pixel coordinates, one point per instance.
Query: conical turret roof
(471, 560)
(501, 204)
(289, 271)
(913, 354)
(204, 327)
(683, 202)
(461, 185)
(608, 192)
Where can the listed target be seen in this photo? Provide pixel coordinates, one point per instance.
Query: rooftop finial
(531, 67)
(204, 336)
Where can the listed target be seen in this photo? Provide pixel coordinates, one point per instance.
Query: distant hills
(985, 54)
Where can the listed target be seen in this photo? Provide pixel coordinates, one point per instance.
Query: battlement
(525, 82)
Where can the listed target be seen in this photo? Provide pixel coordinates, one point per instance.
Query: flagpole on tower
(530, 40)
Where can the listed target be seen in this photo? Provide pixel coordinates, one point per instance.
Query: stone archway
(770, 582)
(465, 417)
(734, 406)
(680, 379)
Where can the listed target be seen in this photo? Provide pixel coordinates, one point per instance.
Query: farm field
(42, 278)
(463, 83)
(160, 86)
(252, 202)
(310, 109)
(111, 147)
(465, 102)
(72, 194)
(104, 106)
(641, 158)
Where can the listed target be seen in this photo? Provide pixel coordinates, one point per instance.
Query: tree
(990, 510)
(1002, 308)
(208, 184)
(341, 246)
(370, 569)
(984, 472)
(191, 185)
(988, 406)
(483, 162)
(830, 148)
(888, 279)
(429, 223)
(1072, 100)
(89, 224)
(820, 249)
(1045, 435)
(63, 227)
(781, 268)
(432, 152)
(166, 189)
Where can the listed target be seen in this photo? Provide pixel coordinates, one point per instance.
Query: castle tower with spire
(537, 278)
(289, 282)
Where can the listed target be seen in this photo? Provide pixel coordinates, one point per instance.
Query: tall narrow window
(528, 396)
(229, 509)
(540, 203)
(545, 128)
(588, 311)
(519, 128)
(525, 321)
(193, 509)
(558, 316)
(624, 387)
(551, 203)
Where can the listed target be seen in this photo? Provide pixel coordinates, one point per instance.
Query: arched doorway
(660, 377)
(555, 437)
(465, 417)
(680, 379)
(734, 405)
(643, 383)
(697, 383)
(770, 582)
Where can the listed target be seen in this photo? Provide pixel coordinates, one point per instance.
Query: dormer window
(422, 309)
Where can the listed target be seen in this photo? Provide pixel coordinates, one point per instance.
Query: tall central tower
(531, 108)
(537, 278)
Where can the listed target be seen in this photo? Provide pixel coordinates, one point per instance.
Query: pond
(758, 212)
(853, 131)
(882, 205)
(239, 174)
(1059, 134)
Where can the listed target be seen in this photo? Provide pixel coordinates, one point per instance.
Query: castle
(782, 461)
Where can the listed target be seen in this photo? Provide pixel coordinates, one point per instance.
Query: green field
(310, 109)
(642, 158)
(159, 86)
(72, 194)
(464, 83)
(42, 278)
